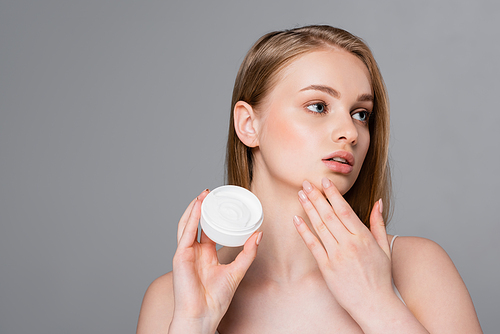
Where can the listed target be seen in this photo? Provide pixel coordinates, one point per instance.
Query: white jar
(230, 215)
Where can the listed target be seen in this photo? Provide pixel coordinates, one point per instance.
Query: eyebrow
(336, 94)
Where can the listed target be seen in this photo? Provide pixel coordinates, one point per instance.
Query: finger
(314, 245)
(245, 258)
(204, 239)
(342, 209)
(323, 231)
(184, 219)
(326, 212)
(185, 216)
(190, 232)
(377, 227)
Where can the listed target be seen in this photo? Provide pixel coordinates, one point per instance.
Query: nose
(344, 129)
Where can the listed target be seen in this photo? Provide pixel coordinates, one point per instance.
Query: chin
(343, 185)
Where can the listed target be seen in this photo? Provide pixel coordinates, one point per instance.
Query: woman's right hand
(204, 288)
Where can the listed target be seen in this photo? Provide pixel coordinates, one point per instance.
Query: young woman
(309, 137)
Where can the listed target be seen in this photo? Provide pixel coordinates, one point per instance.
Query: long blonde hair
(257, 76)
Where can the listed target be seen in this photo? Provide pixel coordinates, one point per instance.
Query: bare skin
(313, 267)
(304, 304)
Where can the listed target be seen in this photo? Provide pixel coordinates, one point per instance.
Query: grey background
(114, 116)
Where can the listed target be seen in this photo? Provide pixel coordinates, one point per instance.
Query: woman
(309, 137)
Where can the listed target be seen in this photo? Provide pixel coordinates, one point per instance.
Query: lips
(339, 162)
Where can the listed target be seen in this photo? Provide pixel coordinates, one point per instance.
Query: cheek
(286, 135)
(363, 143)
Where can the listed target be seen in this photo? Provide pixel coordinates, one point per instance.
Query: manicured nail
(302, 196)
(296, 220)
(259, 238)
(380, 206)
(307, 186)
(326, 182)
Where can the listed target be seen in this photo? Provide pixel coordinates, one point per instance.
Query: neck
(282, 256)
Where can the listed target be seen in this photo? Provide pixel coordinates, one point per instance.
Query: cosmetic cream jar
(230, 215)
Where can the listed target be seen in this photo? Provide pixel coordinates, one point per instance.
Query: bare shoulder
(419, 251)
(157, 306)
(421, 263)
(432, 287)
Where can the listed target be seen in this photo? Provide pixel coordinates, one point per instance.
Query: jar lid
(230, 213)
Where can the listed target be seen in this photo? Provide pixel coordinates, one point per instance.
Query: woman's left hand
(354, 261)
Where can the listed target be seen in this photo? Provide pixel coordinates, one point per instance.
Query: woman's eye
(361, 115)
(319, 107)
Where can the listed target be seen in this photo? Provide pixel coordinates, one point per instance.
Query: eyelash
(325, 111)
(368, 115)
(322, 104)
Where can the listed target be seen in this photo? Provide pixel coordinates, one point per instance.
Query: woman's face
(314, 123)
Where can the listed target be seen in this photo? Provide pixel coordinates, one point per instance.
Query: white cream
(230, 214)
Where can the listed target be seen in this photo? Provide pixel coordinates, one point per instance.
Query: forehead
(333, 67)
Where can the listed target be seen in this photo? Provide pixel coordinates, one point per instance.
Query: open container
(230, 215)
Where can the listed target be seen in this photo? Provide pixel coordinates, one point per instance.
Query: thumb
(240, 265)
(377, 227)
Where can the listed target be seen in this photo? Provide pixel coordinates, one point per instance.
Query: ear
(246, 124)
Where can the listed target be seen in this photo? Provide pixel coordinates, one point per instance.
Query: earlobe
(245, 124)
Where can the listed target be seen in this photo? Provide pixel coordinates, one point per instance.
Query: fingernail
(326, 182)
(307, 186)
(207, 190)
(259, 238)
(302, 196)
(380, 206)
(296, 220)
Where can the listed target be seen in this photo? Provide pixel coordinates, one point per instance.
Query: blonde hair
(258, 75)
